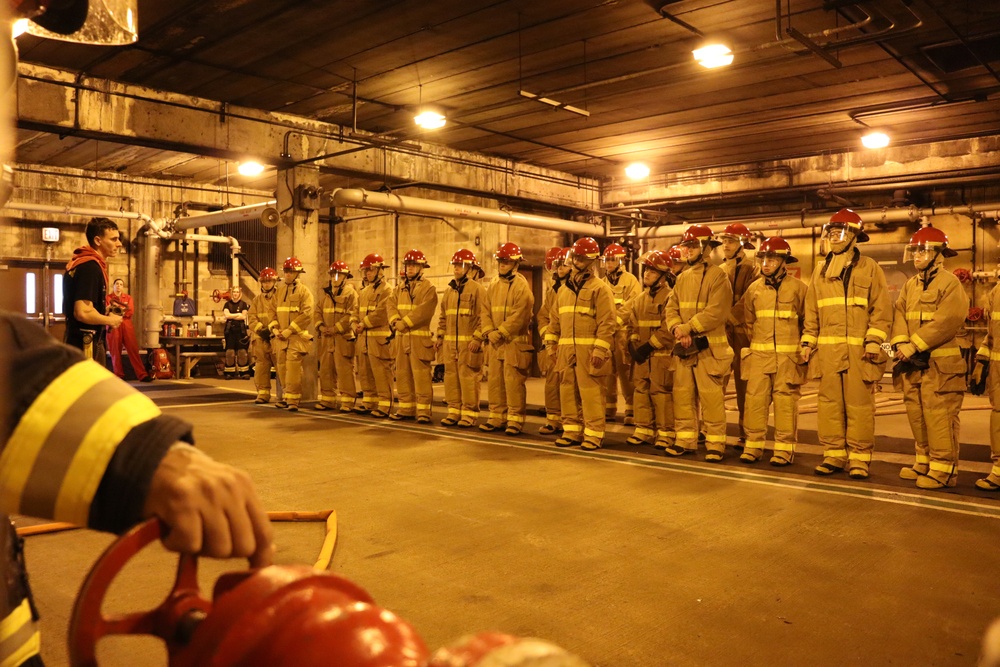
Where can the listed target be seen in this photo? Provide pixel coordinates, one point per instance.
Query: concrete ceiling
(924, 70)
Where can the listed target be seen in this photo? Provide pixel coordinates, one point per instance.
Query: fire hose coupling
(278, 615)
(964, 276)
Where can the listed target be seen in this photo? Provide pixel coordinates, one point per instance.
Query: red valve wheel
(182, 607)
(975, 314)
(964, 275)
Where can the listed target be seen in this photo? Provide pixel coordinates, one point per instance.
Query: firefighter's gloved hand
(359, 329)
(495, 337)
(806, 351)
(682, 331)
(904, 351)
(641, 353)
(873, 352)
(977, 381)
(286, 334)
(475, 346)
(597, 360)
(399, 325)
(437, 344)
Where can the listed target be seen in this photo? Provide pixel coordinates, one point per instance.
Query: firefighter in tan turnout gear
(625, 287)
(259, 316)
(848, 315)
(696, 314)
(290, 331)
(736, 239)
(585, 330)
(373, 350)
(986, 379)
(336, 315)
(557, 264)
(650, 346)
(460, 339)
(930, 312)
(410, 313)
(774, 309)
(505, 322)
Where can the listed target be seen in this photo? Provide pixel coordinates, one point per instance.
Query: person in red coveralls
(120, 302)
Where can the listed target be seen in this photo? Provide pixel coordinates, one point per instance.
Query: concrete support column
(298, 236)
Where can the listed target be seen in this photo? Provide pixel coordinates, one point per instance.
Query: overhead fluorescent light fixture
(430, 120)
(250, 168)
(637, 171)
(713, 55)
(875, 140)
(555, 104)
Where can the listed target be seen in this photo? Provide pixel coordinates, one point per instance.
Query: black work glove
(265, 335)
(977, 381)
(640, 354)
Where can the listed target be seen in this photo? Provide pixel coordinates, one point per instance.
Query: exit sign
(50, 234)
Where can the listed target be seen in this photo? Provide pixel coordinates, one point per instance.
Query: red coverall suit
(125, 334)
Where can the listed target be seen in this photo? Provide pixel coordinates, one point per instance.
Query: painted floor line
(876, 494)
(202, 405)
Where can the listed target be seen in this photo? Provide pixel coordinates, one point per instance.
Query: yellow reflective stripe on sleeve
(768, 347)
(808, 339)
(655, 342)
(833, 340)
(586, 310)
(407, 321)
(404, 307)
(18, 458)
(876, 333)
(33, 466)
(19, 636)
(842, 301)
(717, 340)
(918, 342)
(551, 338)
(88, 466)
(776, 314)
(899, 339)
(649, 323)
(995, 355)
(288, 309)
(295, 327)
(602, 344)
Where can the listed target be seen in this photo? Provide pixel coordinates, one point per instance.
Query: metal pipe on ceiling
(235, 214)
(383, 201)
(76, 210)
(805, 220)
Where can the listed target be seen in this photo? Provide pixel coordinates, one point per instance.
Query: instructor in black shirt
(84, 289)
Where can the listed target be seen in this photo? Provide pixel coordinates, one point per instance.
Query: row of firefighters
(670, 341)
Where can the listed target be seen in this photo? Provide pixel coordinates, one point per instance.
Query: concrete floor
(622, 556)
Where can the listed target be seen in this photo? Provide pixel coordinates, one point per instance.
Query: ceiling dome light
(637, 171)
(19, 27)
(429, 120)
(875, 140)
(250, 168)
(713, 55)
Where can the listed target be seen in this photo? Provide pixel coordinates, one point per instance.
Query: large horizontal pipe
(877, 216)
(382, 201)
(235, 214)
(75, 210)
